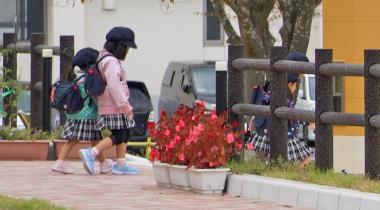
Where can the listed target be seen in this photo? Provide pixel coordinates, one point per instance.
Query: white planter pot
(179, 177)
(208, 181)
(161, 174)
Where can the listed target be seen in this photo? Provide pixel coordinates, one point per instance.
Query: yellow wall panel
(348, 131)
(354, 87)
(354, 105)
(366, 10)
(342, 45)
(332, 10)
(366, 37)
(350, 27)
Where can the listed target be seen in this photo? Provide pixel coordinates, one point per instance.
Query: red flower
(250, 146)
(230, 138)
(154, 155)
(181, 157)
(200, 103)
(196, 138)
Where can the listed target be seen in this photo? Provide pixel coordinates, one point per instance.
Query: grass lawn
(8, 203)
(288, 170)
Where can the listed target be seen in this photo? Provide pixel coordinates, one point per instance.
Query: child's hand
(251, 125)
(130, 114)
(52, 94)
(312, 126)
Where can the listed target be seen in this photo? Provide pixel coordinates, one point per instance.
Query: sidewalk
(28, 179)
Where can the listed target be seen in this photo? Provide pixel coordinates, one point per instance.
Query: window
(338, 94)
(172, 79)
(22, 17)
(213, 33)
(204, 81)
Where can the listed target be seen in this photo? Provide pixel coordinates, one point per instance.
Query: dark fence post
(278, 128)
(324, 103)
(36, 81)
(47, 55)
(221, 86)
(235, 84)
(10, 63)
(66, 48)
(372, 107)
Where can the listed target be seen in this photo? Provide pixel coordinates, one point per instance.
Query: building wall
(161, 35)
(349, 28)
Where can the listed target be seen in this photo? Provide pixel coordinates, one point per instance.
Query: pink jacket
(114, 100)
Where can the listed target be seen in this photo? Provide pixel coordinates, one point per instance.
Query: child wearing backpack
(80, 125)
(115, 111)
(297, 150)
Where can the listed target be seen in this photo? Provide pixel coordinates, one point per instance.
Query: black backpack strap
(101, 58)
(77, 79)
(97, 63)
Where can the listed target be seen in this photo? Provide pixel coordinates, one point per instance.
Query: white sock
(120, 162)
(94, 152)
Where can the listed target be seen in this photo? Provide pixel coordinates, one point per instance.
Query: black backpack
(94, 82)
(66, 96)
(257, 98)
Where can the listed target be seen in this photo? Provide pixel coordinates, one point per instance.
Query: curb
(300, 194)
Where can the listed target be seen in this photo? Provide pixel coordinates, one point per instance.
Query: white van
(306, 101)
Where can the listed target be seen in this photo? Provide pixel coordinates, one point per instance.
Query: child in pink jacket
(115, 111)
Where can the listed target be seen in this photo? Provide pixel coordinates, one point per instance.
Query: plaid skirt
(297, 149)
(261, 143)
(83, 130)
(114, 122)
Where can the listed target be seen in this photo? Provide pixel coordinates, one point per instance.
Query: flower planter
(179, 177)
(161, 174)
(208, 181)
(24, 149)
(74, 153)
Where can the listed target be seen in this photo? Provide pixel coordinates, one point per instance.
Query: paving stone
(29, 179)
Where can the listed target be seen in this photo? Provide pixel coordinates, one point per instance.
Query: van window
(312, 88)
(204, 81)
(171, 81)
(168, 79)
(183, 79)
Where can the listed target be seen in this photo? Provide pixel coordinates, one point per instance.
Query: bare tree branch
(301, 33)
(233, 37)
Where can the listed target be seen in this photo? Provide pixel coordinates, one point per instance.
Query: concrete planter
(179, 177)
(161, 174)
(24, 149)
(208, 181)
(74, 153)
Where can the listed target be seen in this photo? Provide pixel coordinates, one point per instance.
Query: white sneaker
(106, 167)
(62, 167)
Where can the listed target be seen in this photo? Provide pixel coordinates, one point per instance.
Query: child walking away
(81, 125)
(297, 150)
(115, 111)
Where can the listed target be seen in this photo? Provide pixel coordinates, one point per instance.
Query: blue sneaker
(124, 170)
(88, 160)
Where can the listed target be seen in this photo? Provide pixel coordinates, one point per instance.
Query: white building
(164, 32)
